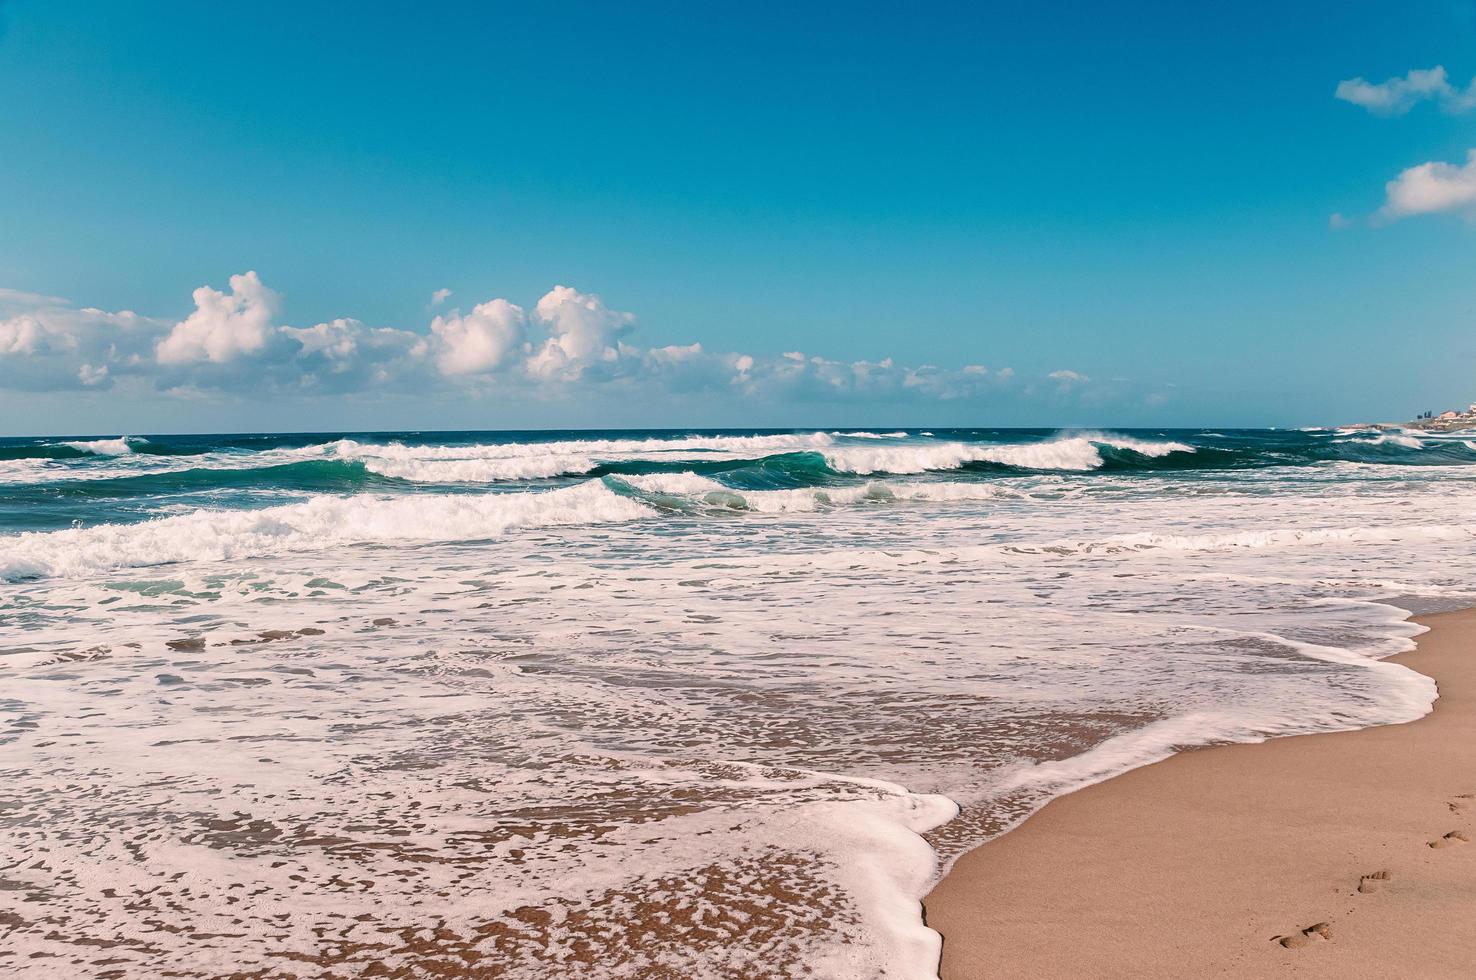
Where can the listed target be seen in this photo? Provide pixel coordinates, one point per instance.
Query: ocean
(653, 703)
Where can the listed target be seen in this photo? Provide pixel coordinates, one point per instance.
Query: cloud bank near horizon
(569, 342)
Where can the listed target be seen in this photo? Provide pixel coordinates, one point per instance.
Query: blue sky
(967, 199)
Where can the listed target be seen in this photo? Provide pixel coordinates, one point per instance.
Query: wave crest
(104, 447)
(1070, 453)
(320, 522)
(497, 462)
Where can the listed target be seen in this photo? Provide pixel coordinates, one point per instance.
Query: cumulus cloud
(90, 375)
(584, 334)
(1431, 188)
(224, 325)
(1396, 96)
(569, 343)
(45, 343)
(19, 335)
(440, 296)
(480, 341)
(337, 340)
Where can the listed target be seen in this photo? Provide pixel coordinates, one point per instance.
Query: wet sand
(1348, 855)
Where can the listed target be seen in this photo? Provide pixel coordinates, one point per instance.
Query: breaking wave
(1075, 453)
(321, 522)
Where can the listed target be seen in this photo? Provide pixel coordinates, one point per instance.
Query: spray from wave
(104, 447)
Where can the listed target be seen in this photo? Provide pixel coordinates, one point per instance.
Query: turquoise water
(53, 483)
(607, 704)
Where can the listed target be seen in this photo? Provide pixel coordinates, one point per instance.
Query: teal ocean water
(54, 483)
(650, 703)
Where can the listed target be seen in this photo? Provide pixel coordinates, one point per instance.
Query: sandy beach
(1338, 855)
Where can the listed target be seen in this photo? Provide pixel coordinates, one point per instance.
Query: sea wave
(702, 490)
(507, 461)
(478, 470)
(104, 447)
(1081, 452)
(601, 448)
(42, 452)
(1398, 439)
(131, 465)
(321, 522)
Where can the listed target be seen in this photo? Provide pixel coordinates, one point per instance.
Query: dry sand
(1342, 855)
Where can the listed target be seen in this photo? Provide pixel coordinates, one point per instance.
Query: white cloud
(47, 343)
(1338, 222)
(440, 296)
(223, 326)
(480, 341)
(20, 335)
(1432, 187)
(19, 297)
(90, 375)
(336, 340)
(572, 342)
(1396, 96)
(584, 332)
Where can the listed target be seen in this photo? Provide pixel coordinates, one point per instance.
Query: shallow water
(646, 704)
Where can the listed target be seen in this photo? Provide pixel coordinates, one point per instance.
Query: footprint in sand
(1461, 803)
(1450, 839)
(1321, 932)
(1373, 881)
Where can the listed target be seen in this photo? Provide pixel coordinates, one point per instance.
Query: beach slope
(1343, 855)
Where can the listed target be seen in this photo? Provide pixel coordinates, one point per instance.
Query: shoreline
(1329, 855)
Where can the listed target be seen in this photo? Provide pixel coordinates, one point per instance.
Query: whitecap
(104, 447)
(317, 523)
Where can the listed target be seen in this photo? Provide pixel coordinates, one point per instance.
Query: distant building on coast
(1447, 421)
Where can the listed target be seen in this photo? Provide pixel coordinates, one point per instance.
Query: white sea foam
(1072, 453)
(1274, 538)
(503, 462)
(321, 522)
(706, 446)
(674, 483)
(1140, 446)
(1397, 439)
(104, 447)
(477, 470)
(495, 462)
(810, 498)
(469, 464)
(706, 490)
(745, 725)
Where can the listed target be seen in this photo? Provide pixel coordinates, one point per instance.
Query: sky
(360, 216)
